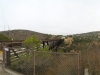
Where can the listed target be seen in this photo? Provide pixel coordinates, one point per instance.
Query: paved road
(2, 70)
(6, 71)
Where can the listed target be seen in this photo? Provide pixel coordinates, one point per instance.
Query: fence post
(34, 64)
(8, 63)
(3, 56)
(79, 63)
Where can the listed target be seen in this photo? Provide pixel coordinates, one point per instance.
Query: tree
(35, 44)
(32, 43)
(4, 38)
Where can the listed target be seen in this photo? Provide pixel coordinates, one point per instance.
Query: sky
(58, 17)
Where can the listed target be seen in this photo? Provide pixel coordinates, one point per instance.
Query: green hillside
(4, 38)
(23, 34)
(90, 35)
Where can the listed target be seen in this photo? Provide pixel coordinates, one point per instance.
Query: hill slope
(21, 34)
(79, 41)
(91, 35)
(4, 38)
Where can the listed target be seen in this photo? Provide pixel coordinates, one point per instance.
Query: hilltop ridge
(21, 34)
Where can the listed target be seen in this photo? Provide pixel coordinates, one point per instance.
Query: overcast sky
(51, 16)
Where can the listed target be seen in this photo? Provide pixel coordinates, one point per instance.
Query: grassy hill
(92, 35)
(78, 42)
(4, 38)
(23, 34)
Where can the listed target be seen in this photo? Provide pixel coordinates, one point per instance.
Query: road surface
(2, 70)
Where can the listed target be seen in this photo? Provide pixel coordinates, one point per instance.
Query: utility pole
(8, 31)
(4, 27)
(8, 28)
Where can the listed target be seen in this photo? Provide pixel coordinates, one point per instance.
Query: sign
(0, 52)
(6, 49)
(1, 55)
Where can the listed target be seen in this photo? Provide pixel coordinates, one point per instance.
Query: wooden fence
(13, 55)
